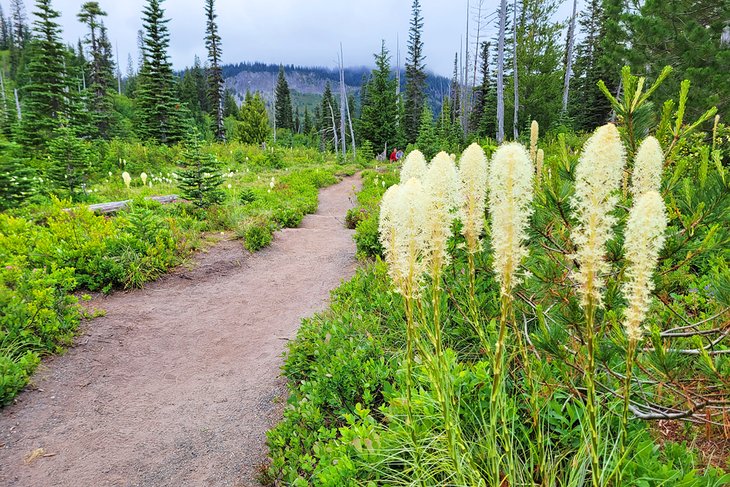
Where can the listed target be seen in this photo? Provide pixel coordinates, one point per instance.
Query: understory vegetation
(52, 250)
(546, 325)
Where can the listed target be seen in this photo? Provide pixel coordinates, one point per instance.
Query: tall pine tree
(379, 108)
(46, 103)
(215, 72)
(415, 92)
(100, 69)
(283, 108)
(158, 109)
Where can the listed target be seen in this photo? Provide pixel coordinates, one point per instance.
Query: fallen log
(116, 206)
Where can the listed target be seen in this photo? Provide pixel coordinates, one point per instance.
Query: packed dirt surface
(178, 383)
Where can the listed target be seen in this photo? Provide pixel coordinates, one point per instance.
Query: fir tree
(307, 125)
(415, 76)
(215, 73)
(428, 140)
(698, 54)
(17, 180)
(70, 165)
(328, 117)
(100, 70)
(4, 31)
(158, 109)
(455, 92)
(283, 110)
(46, 97)
(539, 57)
(379, 107)
(230, 105)
(19, 36)
(200, 180)
(482, 92)
(193, 93)
(253, 126)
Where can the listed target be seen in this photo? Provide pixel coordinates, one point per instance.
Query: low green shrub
(256, 235)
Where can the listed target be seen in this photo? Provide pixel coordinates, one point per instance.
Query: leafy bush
(256, 235)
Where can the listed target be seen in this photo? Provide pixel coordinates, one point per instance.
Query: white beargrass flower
(534, 133)
(143, 177)
(413, 167)
(643, 240)
(473, 182)
(510, 198)
(648, 167)
(127, 179)
(441, 184)
(598, 177)
(402, 234)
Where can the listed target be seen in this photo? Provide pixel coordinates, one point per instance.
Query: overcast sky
(303, 32)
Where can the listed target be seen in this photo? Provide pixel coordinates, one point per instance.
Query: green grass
(48, 254)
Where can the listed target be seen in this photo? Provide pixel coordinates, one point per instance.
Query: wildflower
(143, 177)
(473, 182)
(230, 186)
(402, 223)
(598, 176)
(110, 174)
(644, 239)
(150, 184)
(648, 167)
(272, 183)
(441, 183)
(127, 179)
(534, 133)
(413, 167)
(510, 197)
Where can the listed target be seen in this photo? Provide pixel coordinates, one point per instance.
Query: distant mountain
(309, 82)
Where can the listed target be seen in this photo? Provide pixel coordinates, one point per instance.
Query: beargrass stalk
(644, 239)
(648, 166)
(413, 167)
(443, 200)
(598, 177)
(473, 183)
(401, 229)
(510, 197)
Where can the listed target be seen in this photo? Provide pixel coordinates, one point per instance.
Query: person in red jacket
(394, 155)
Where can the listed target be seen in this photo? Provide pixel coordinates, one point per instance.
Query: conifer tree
(100, 70)
(46, 97)
(328, 117)
(482, 92)
(428, 140)
(70, 164)
(201, 178)
(379, 109)
(307, 125)
(539, 57)
(230, 105)
(283, 110)
(253, 126)
(415, 91)
(4, 31)
(19, 36)
(158, 109)
(455, 91)
(215, 73)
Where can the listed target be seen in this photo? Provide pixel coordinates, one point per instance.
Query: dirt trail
(178, 383)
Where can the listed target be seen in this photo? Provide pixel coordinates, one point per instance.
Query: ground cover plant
(532, 328)
(53, 250)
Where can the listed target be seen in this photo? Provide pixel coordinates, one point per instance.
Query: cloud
(287, 31)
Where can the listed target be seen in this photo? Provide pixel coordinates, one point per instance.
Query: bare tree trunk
(347, 106)
(569, 57)
(515, 122)
(17, 105)
(343, 105)
(500, 71)
(465, 94)
(334, 127)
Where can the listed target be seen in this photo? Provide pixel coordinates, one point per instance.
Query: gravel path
(178, 383)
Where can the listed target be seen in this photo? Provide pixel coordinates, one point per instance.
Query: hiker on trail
(399, 154)
(394, 155)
